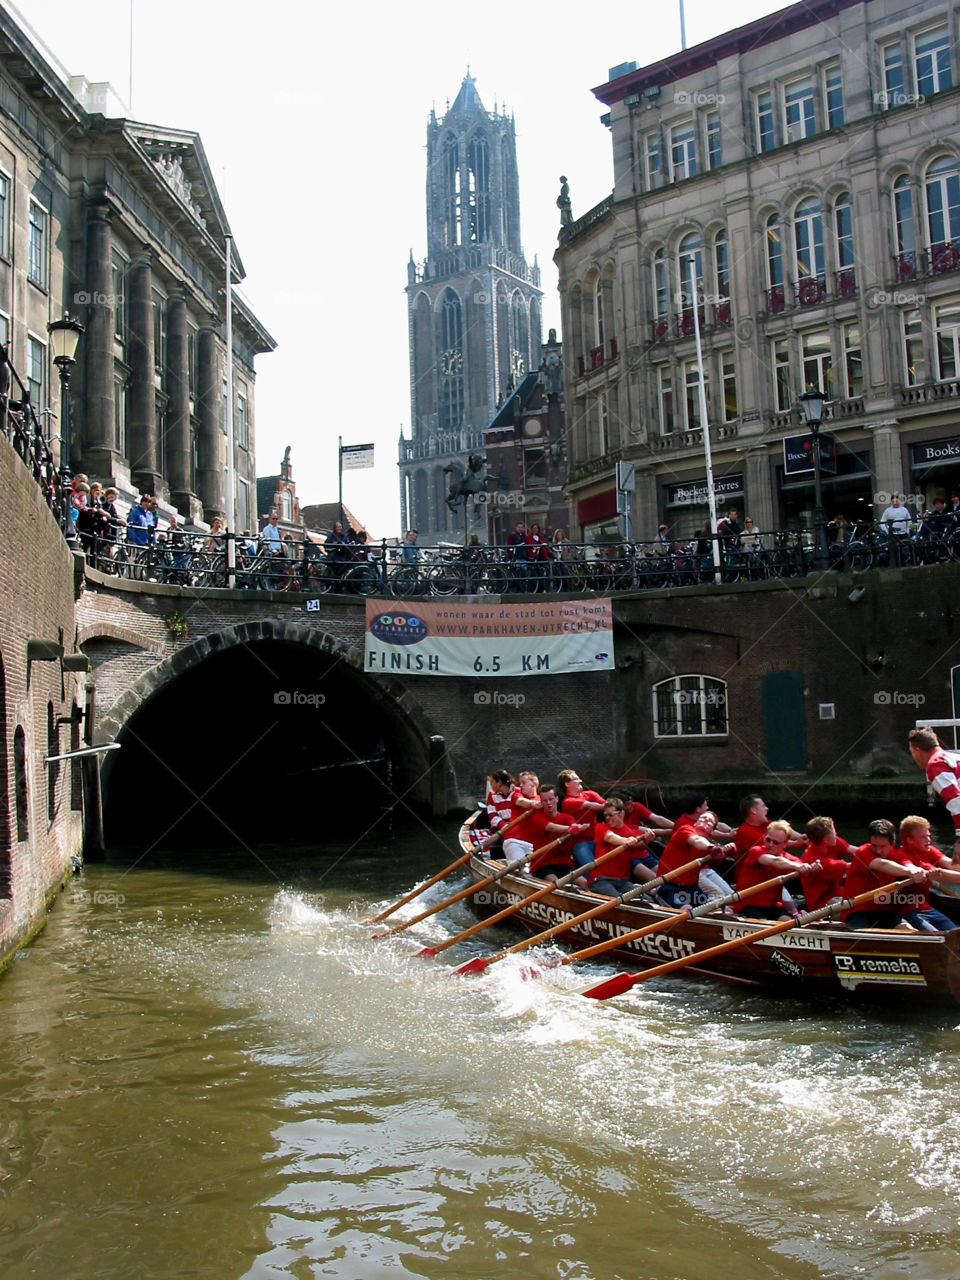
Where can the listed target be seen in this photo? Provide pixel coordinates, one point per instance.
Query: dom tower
(473, 308)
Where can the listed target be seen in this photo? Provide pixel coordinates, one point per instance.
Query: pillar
(97, 437)
(142, 427)
(178, 405)
(211, 449)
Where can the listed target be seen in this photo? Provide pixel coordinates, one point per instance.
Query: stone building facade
(120, 225)
(474, 308)
(805, 169)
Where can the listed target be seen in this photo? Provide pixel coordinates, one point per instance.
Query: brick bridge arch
(388, 695)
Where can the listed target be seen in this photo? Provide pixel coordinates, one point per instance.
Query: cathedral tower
(473, 308)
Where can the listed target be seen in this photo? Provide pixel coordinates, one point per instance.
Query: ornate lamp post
(64, 336)
(812, 402)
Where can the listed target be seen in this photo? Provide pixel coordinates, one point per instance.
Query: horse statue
(467, 486)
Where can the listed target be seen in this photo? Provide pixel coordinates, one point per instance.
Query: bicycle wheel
(447, 580)
(860, 556)
(493, 580)
(362, 579)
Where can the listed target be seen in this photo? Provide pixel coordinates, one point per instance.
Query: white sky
(314, 122)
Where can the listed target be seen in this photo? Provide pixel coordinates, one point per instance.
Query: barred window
(689, 706)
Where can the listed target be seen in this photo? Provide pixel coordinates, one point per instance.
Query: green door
(784, 721)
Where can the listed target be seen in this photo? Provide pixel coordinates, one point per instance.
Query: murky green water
(209, 1069)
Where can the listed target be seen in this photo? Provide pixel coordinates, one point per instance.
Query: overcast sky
(314, 122)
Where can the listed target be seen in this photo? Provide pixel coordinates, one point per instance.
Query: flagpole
(704, 422)
(340, 476)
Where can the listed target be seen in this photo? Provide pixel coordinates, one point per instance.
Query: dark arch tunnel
(269, 740)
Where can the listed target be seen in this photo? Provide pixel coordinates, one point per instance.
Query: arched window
(6, 861)
(721, 279)
(692, 706)
(689, 255)
(479, 167)
(774, 253)
(942, 189)
(598, 312)
(660, 284)
(451, 363)
(843, 231)
(904, 229)
(20, 781)
(451, 181)
(808, 241)
(536, 332)
(286, 505)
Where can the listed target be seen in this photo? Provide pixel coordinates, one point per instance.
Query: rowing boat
(884, 964)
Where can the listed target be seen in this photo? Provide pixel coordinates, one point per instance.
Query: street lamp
(812, 402)
(64, 336)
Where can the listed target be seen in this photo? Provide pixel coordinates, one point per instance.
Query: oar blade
(477, 965)
(615, 986)
(426, 954)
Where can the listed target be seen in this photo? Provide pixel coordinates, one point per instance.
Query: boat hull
(884, 964)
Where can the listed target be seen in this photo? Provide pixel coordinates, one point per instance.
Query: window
(535, 465)
(665, 397)
(728, 370)
(651, 153)
(20, 781)
(683, 152)
(660, 284)
(783, 394)
(241, 420)
(603, 424)
(118, 268)
(37, 376)
(852, 361)
(689, 259)
(808, 240)
(774, 254)
(763, 120)
(5, 190)
(451, 383)
(224, 405)
(689, 706)
(894, 94)
(931, 51)
(817, 362)
(598, 311)
(37, 244)
(833, 96)
(4, 331)
(943, 210)
(691, 394)
(159, 333)
(286, 505)
(714, 140)
(799, 113)
(913, 348)
(193, 337)
(904, 229)
(119, 416)
(721, 261)
(843, 226)
(947, 328)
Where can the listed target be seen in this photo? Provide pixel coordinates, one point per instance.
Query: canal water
(209, 1069)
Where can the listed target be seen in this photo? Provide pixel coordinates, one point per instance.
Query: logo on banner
(398, 628)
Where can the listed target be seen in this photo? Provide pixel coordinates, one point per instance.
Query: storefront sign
(798, 454)
(483, 640)
(943, 452)
(695, 495)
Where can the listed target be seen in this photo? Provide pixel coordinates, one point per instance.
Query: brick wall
(36, 588)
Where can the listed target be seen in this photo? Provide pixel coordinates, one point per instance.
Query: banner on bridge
(481, 640)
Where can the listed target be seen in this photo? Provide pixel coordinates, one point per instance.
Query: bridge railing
(186, 559)
(21, 425)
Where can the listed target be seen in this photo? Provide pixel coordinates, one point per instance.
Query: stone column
(758, 491)
(887, 465)
(646, 518)
(142, 428)
(211, 449)
(178, 404)
(98, 428)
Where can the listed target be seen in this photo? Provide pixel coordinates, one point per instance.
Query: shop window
(690, 706)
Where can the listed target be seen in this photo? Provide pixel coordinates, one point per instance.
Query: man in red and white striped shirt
(943, 773)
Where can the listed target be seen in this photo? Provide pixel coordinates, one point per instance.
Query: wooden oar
(660, 926)
(624, 981)
(442, 875)
(480, 963)
(521, 902)
(470, 889)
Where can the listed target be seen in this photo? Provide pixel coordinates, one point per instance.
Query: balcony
(944, 258)
(915, 265)
(776, 299)
(810, 291)
(845, 283)
(723, 315)
(659, 329)
(929, 392)
(596, 358)
(686, 325)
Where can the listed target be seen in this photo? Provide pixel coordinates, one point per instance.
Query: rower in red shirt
(692, 836)
(763, 862)
(943, 773)
(621, 873)
(878, 862)
(545, 825)
(916, 847)
(583, 806)
(824, 846)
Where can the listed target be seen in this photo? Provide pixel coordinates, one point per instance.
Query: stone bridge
(263, 697)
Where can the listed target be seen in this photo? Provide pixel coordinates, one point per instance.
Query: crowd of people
(555, 829)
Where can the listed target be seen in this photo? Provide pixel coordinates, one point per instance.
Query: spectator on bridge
(270, 539)
(92, 521)
(517, 556)
(409, 552)
(896, 519)
(215, 542)
(140, 524)
(337, 548)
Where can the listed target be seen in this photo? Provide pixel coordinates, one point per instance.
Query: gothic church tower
(473, 308)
